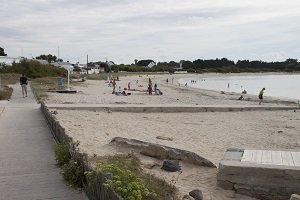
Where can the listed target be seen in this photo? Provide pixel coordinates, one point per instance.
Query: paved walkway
(27, 163)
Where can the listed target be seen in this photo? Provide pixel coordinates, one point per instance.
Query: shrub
(124, 182)
(62, 154)
(129, 181)
(73, 173)
(33, 69)
(5, 93)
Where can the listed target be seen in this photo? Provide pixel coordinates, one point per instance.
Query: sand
(207, 134)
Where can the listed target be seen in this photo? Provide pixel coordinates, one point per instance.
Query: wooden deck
(284, 158)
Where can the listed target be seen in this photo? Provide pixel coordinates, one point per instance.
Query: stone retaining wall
(262, 181)
(94, 191)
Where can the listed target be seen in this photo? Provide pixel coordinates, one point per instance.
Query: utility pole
(58, 54)
(87, 63)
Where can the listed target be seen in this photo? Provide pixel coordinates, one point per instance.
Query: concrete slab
(27, 164)
(285, 158)
(261, 173)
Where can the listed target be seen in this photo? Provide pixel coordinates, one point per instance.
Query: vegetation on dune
(223, 65)
(129, 181)
(33, 69)
(72, 170)
(125, 175)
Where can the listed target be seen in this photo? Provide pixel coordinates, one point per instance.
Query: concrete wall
(268, 182)
(165, 108)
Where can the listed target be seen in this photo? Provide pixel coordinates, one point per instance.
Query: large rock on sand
(162, 152)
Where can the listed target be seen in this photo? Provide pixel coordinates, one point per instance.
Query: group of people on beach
(156, 90)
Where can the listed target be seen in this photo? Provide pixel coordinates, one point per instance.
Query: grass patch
(130, 182)
(42, 85)
(9, 78)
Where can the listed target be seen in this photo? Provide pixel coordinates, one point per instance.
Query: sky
(124, 30)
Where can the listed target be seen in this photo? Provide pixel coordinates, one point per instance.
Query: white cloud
(123, 30)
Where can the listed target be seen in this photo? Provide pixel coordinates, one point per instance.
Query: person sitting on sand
(244, 92)
(260, 96)
(241, 97)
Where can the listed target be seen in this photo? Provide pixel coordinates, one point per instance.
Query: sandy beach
(207, 134)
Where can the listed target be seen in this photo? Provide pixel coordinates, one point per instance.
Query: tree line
(214, 65)
(222, 65)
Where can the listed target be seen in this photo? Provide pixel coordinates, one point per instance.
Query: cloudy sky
(162, 30)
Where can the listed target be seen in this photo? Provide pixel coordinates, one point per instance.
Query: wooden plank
(287, 159)
(296, 158)
(266, 157)
(247, 156)
(259, 156)
(276, 157)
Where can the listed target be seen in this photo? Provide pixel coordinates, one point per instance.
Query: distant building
(5, 60)
(65, 65)
(146, 63)
(43, 62)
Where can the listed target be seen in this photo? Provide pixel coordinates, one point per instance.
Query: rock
(108, 176)
(295, 197)
(164, 138)
(280, 131)
(187, 197)
(150, 165)
(171, 165)
(196, 194)
(54, 112)
(162, 152)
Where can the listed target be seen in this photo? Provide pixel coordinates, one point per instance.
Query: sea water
(282, 86)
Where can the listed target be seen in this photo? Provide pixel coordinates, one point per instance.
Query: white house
(5, 60)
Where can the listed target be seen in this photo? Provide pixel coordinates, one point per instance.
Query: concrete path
(27, 165)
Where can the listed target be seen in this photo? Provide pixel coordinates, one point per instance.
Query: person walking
(24, 83)
(260, 96)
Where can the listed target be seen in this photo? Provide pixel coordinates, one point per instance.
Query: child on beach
(260, 96)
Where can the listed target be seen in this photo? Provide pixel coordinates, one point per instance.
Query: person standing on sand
(114, 84)
(260, 96)
(150, 87)
(23, 83)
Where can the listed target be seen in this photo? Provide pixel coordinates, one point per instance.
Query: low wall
(262, 181)
(166, 108)
(94, 191)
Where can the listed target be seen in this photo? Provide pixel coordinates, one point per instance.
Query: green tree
(50, 58)
(2, 53)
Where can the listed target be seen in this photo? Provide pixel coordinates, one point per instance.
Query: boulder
(171, 165)
(196, 194)
(162, 152)
(295, 197)
(187, 197)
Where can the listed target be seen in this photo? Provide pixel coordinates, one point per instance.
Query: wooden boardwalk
(284, 158)
(27, 165)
